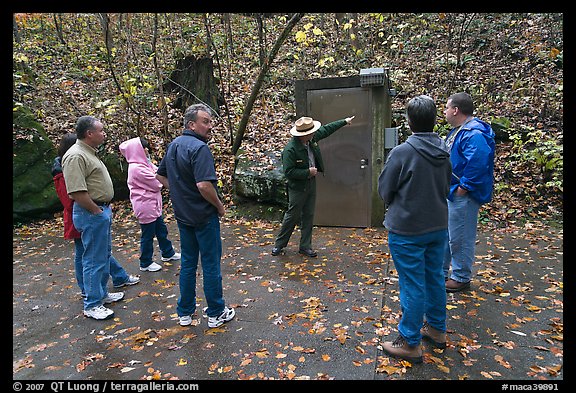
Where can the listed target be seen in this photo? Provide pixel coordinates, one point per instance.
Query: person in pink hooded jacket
(146, 198)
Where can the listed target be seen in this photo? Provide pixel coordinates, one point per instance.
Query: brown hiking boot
(455, 286)
(400, 349)
(435, 336)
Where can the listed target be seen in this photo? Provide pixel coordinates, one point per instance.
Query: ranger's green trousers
(301, 205)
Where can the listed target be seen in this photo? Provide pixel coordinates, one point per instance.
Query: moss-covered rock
(118, 169)
(33, 193)
(261, 181)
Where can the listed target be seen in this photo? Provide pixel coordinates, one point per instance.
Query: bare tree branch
(209, 34)
(105, 21)
(159, 77)
(263, 71)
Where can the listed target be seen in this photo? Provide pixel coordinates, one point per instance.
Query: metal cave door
(343, 194)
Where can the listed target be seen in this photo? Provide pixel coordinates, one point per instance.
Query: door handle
(363, 163)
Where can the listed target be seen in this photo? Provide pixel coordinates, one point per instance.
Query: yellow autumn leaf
(213, 331)
(444, 369)
(300, 36)
(225, 369)
(554, 52)
(387, 369)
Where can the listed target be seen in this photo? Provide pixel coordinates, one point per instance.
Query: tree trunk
(352, 36)
(162, 102)
(58, 25)
(217, 57)
(193, 79)
(15, 29)
(105, 22)
(256, 88)
(261, 39)
(229, 34)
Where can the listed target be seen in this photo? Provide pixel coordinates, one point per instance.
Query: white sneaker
(185, 320)
(131, 281)
(153, 267)
(174, 257)
(113, 297)
(226, 316)
(99, 312)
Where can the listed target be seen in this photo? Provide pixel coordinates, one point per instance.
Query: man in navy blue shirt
(188, 171)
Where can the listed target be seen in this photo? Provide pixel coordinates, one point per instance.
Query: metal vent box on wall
(372, 77)
(347, 191)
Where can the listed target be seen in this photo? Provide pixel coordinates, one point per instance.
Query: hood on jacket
(481, 125)
(430, 146)
(57, 166)
(133, 151)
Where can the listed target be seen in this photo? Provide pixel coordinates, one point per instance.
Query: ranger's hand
(349, 119)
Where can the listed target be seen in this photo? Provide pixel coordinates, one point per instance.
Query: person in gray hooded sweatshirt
(414, 185)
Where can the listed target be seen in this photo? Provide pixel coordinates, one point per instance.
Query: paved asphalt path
(298, 318)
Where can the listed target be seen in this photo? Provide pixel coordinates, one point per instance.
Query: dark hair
(65, 143)
(144, 143)
(83, 124)
(463, 101)
(421, 114)
(191, 113)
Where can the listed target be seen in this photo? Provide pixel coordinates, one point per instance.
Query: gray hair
(191, 113)
(421, 114)
(83, 124)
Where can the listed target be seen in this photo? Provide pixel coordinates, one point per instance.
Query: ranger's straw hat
(304, 126)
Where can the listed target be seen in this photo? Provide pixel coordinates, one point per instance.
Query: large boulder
(262, 181)
(33, 193)
(118, 168)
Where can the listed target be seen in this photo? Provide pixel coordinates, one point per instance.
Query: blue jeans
(117, 272)
(95, 230)
(418, 261)
(149, 231)
(78, 252)
(119, 275)
(202, 241)
(462, 223)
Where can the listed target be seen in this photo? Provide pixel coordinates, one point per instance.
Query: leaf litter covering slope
(511, 61)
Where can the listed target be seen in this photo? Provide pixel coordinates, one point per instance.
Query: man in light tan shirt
(89, 184)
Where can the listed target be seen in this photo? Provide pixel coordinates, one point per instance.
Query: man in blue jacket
(471, 146)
